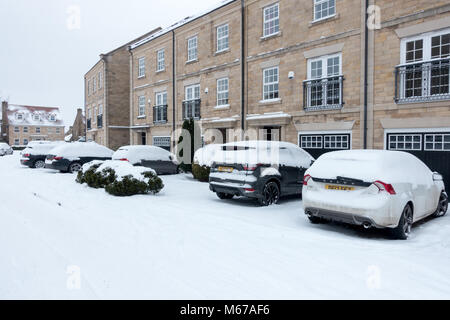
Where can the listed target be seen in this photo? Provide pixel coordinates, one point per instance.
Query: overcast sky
(45, 50)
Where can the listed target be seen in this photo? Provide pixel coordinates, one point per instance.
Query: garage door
(318, 144)
(433, 148)
(163, 142)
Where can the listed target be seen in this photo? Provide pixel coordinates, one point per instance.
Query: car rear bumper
(26, 162)
(56, 166)
(343, 217)
(234, 189)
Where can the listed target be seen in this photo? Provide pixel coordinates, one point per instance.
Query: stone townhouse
(77, 131)
(311, 72)
(107, 98)
(22, 124)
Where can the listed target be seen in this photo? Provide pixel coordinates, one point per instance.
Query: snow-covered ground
(61, 240)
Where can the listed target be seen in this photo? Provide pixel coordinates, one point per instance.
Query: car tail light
(382, 186)
(124, 159)
(249, 190)
(306, 179)
(252, 167)
(26, 155)
(57, 158)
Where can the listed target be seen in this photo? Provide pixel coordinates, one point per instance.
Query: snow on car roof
(135, 154)
(21, 115)
(81, 149)
(371, 165)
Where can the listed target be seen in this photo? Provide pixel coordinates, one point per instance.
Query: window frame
(141, 67)
(166, 138)
(192, 86)
(443, 142)
(100, 80)
(266, 21)
(219, 92)
(141, 107)
(37, 130)
(16, 129)
(191, 49)
(160, 60)
(277, 83)
(317, 2)
(25, 129)
(404, 135)
(222, 38)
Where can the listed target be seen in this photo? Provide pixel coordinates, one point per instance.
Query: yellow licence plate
(340, 188)
(225, 169)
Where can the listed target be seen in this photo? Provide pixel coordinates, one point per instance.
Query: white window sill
(270, 36)
(270, 101)
(222, 51)
(141, 117)
(224, 106)
(159, 71)
(141, 77)
(324, 19)
(192, 61)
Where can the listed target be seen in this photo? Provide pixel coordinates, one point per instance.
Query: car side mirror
(437, 177)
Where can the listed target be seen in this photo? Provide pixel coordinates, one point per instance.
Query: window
(425, 70)
(270, 84)
(19, 116)
(16, 129)
(16, 142)
(405, 142)
(95, 115)
(437, 142)
(192, 92)
(271, 20)
(141, 72)
(336, 142)
(160, 109)
(38, 130)
(161, 98)
(52, 117)
(49, 130)
(100, 80)
(94, 83)
(324, 9)
(160, 60)
(162, 142)
(25, 129)
(222, 38)
(89, 87)
(36, 117)
(25, 142)
(323, 89)
(100, 109)
(222, 92)
(141, 111)
(89, 114)
(191, 105)
(311, 142)
(58, 130)
(192, 48)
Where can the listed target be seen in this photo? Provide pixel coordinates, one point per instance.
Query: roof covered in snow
(21, 115)
(180, 23)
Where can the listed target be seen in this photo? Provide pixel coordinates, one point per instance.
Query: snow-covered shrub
(201, 173)
(120, 178)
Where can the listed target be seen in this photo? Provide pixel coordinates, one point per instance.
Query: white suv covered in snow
(373, 188)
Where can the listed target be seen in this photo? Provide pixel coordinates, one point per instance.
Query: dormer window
(52, 117)
(19, 116)
(36, 117)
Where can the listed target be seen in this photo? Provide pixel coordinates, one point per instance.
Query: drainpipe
(105, 102)
(174, 98)
(242, 67)
(131, 94)
(366, 71)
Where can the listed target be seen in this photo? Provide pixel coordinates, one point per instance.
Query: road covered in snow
(62, 240)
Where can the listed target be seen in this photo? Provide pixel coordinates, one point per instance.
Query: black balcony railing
(88, 123)
(100, 121)
(424, 81)
(160, 114)
(191, 109)
(323, 94)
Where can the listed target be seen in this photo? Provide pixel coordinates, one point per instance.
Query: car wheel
(403, 230)
(74, 167)
(224, 196)
(270, 194)
(442, 206)
(39, 164)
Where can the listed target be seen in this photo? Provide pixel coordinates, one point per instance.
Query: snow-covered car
(373, 188)
(263, 170)
(204, 156)
(34, 154)
(70, 157)
(5, 149)
(159, 159)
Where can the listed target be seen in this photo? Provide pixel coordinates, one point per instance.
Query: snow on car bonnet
(205, 156)
(371, 165)
(76, 150)
(265, 152)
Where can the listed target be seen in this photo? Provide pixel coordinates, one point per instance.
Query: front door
(271, 133)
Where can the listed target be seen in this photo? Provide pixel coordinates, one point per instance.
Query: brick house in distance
(22, 124)
(78, 129)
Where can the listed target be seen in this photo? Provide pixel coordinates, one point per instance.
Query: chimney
(4, 121)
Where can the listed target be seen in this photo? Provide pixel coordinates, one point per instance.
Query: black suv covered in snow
(262, 170)
(70, 157)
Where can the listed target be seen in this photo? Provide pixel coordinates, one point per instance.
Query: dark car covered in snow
(263, 170)
(34, 155)
(71, 157)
